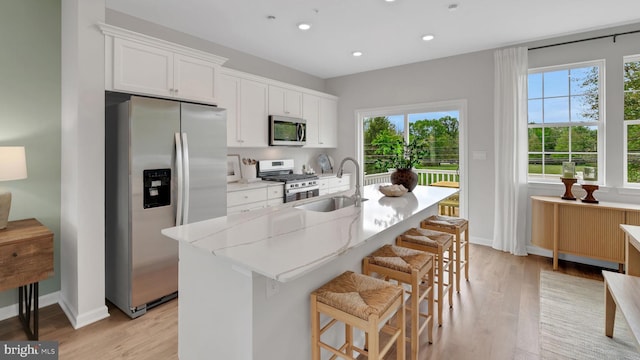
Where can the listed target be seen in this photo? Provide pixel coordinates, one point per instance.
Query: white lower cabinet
(340, 184)
(245, 200)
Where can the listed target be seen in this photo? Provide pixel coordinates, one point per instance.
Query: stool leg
(315, 330)
(450, 278)
(400, 342)
(348, 338)
(466, 253)
(415, 314)
(374, 337)
(456, 240)
(440, 285)
(430, 284)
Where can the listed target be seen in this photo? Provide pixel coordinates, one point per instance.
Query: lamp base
(5, 206)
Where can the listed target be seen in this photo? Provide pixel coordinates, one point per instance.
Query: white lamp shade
(13, 163)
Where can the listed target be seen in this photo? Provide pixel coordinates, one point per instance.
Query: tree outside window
(632, 119)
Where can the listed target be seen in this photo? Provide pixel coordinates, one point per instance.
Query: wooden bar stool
(410, 267)
(455, 226)
(438, 244)
(365, 303)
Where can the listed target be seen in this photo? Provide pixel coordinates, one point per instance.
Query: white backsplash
(300, 156)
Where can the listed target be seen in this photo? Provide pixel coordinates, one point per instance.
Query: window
(565, 118)
(632, 120)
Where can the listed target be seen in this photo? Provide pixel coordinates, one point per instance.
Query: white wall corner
(86, 318)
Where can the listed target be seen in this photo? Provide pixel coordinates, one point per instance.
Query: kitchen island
(245, 279)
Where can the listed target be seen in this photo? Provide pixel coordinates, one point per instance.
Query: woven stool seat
(358, 295)
(399, 258)
(413, 268)
(446, 221)
(362, 302)
(455, 226)
(427, 238)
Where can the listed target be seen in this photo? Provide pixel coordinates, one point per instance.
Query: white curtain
(510, 124)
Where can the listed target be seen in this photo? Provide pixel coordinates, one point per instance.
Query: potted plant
(402, 157)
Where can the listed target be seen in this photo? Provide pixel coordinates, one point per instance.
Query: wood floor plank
(495, 316)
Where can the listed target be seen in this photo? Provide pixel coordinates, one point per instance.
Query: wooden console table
(581, 229)
(26, 257)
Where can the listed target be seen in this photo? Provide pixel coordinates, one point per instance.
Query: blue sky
(398, 120)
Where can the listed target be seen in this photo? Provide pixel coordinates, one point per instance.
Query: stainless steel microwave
(287, 131)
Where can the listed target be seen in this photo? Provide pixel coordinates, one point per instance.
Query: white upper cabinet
(321, 115)
(247, 117)
(286, 102)
(140, 64)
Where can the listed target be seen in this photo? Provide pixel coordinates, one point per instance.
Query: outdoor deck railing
(425, 177)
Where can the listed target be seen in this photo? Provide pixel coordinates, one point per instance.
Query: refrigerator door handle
(179, 171)
(185, 149)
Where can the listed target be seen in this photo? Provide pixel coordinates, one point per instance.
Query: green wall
(30, 114)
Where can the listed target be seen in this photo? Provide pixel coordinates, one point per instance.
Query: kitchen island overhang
(245, 279)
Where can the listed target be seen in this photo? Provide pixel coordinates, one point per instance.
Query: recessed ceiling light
(304, 26)
(389, 0)
(428, 37)
(357, 53)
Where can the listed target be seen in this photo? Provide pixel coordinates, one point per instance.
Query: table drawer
(25, 262)
(235, 198)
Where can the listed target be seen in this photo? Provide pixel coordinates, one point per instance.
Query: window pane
(633, 168)
(584, 139)
(535, 86)
(632, 105)
(583, 160)
(584, 108)
(535, 139)
(632, 75)
(556, 83)
(633, 138)
(535, 111)
(553, 166)
(378, 133)
(535, 164)
(556, 110)
(584, 80)
(556, 139)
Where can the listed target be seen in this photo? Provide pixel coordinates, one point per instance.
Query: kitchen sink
(328, 204)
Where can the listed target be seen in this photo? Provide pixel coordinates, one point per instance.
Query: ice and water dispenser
(157, 188)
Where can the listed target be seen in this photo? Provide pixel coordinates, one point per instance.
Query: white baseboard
(44, 300)
(480, 241)
(84, 319)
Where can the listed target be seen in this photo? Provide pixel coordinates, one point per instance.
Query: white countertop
(283, 242)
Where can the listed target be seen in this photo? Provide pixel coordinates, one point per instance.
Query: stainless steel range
(296, 186)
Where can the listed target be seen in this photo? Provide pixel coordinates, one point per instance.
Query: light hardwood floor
(495, 316)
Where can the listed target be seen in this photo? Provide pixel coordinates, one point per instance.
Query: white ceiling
(388, 33)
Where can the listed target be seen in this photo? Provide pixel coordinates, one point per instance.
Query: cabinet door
(254, 117)
(311, 113)
(194, 79)
(142, 69)
(229, 98)
(285, 102)
(328, 123)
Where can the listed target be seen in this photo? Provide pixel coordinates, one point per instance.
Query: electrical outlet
(273, 286)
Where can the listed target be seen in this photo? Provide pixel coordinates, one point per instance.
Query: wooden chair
(412, 267)
(363, 302)
(454, 226)
(441, 245)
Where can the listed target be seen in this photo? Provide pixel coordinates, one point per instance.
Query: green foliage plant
(398, 154)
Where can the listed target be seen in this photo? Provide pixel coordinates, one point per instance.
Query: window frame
(626, 123)
(600, 124)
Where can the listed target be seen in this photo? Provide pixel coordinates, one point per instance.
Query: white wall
(469, 77)
(30, 117)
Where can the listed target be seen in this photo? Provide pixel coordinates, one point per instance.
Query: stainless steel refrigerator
(165, 165)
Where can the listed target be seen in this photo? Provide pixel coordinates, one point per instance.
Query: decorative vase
(405, 177)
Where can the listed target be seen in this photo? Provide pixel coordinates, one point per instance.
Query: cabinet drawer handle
(15, 254)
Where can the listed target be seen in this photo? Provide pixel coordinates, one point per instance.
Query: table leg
(609, 311)
(28, 297)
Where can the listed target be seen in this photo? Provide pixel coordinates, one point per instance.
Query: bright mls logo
(33, 350)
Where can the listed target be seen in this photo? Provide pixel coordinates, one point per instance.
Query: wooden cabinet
(140, 64)
(286, 102)
(246, 104)
(581, 229)
(26, 257)
(321, 115)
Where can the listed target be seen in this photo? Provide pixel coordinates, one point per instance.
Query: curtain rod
(614, 36)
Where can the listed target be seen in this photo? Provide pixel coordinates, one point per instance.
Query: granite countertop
(284, 242)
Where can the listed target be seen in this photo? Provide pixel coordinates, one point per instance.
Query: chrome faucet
(357, 197)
